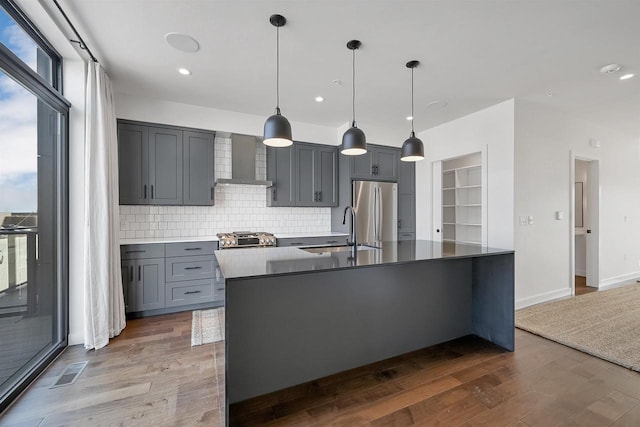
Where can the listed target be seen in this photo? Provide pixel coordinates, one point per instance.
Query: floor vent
(70, 374)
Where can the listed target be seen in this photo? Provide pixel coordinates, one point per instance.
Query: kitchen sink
(344, 248)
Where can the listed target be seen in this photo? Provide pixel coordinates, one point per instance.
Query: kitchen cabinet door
(150, 286)
(386, 164)
(326, 176)
(280, 171)
(362, 166)
(165, 166)
(306, 175)
(133, 164)
(128, 285)
(198, 169)
(406, 197)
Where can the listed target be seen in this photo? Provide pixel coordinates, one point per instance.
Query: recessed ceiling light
(182, 42)
(610, 69)
(184, 71)
(627, 76)
(409, 117)
(319, 99)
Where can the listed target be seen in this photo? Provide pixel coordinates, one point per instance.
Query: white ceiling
(473, 54)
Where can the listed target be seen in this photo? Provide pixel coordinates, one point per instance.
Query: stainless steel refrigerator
(376, 207)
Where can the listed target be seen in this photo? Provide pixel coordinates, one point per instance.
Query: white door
(436, 201)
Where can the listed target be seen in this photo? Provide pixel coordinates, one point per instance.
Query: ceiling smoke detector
(182, 42)
(610, 69)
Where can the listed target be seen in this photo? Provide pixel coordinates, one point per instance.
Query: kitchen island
(293, 316)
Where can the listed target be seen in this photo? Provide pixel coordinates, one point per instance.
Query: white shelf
(462, 200)
(461, 168)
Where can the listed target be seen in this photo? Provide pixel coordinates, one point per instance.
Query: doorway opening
(585, 218)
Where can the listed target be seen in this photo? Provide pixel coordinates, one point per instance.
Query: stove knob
(262, 241)
(233, 242)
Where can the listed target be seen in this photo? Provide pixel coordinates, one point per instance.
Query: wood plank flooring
(581, 286)
(151, 376)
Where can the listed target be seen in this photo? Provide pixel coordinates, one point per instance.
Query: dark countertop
(255, 262)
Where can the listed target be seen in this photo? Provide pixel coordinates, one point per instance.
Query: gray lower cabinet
(305, 175)
(164, 165)
(169, 276)
(379, 163)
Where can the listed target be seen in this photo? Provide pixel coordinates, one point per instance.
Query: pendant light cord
(278, 70)
(353, 97)
(412, 115)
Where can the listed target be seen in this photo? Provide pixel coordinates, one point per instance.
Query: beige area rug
(604, 324)
(207, 326)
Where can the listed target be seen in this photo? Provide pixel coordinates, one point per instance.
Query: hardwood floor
(581, 286)
(151, 376)
(148, 376)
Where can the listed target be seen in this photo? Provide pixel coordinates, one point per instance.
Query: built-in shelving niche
(462, 199)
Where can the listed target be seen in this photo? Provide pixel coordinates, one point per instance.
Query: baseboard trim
(75, 339)
(614, 282)
(547, 296)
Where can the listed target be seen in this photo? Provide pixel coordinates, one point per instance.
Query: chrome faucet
(351, 241)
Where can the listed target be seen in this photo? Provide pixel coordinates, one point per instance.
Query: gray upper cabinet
(379, 164)
(198, 173)
(280, 170)
(406, 198)
(316, 173)
(303, 175)
(133, 162)
(164, 165)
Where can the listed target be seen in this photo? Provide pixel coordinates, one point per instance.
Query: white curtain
(104, 315)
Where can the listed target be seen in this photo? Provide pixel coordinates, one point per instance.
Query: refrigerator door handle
(380, 216)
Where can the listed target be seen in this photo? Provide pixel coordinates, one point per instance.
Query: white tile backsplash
(237, 208)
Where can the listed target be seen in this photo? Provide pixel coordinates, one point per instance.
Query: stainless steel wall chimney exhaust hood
(243, 162)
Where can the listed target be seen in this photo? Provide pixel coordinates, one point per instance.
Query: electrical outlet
(523, 220)
(530, 220)
(624, 257)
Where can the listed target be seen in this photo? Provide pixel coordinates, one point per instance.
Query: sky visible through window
(18, 127)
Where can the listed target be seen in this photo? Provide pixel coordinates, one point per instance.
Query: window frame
(51, 94)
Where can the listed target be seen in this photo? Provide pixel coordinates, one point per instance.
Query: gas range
(246, 239)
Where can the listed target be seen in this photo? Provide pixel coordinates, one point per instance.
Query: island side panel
(493, 299)
(286, 330)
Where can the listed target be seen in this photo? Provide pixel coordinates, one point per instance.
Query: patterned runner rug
(604, 324)
(207, 326)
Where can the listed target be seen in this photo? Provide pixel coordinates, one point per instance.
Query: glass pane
(29, 286)
(23, 46)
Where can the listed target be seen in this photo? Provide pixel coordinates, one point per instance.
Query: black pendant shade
(412, 148)
(277, 129)
(354, 142)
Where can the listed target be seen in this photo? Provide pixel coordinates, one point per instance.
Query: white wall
(174, 113)
(544, 142)
(491, 130)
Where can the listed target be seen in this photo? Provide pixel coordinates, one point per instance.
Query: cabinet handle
(399, 223)
(140, 251)
(131, 274)
(296, 244)
(193, 268)
(319, 196)
(219, 289)
(192, 249)
(212, 193)
(192, 292)
(145, 191)
(139, 273)
(376, 167)
(373, 169)
(152, 191)
(332, 241)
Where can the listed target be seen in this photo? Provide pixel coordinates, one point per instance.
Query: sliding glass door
(33, 235)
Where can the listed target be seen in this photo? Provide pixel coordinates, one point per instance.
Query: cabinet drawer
(406, 236)
(191, 292)
(152, 250)
(191, 248)
(191, 267)
(313, 241)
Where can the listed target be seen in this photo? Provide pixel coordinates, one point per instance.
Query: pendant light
(277, 129)
(412, 148)
(354, 142)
